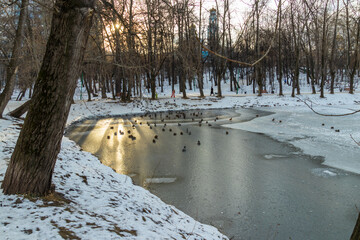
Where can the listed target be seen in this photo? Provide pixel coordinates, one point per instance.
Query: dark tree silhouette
(356, 233)
(33, 160)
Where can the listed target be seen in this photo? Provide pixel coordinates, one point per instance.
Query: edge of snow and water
(95, 202)
(92, 201)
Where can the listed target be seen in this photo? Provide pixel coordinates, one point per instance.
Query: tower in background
(213, 29)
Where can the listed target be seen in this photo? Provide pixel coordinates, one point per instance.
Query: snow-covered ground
(93, 201)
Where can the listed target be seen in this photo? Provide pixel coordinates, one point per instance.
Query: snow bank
(329, 137)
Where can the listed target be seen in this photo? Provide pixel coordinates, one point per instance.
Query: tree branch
(327, 115)
(245, 63)
(358, 143)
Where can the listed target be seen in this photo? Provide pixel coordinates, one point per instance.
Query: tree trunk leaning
(18, 112)
(34, 157)
(356, 233)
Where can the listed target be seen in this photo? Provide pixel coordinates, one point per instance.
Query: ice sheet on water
(271, 156)
(325, 172)
(160, 180)
(315, 135)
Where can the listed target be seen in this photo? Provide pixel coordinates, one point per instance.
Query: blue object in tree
(204, 54)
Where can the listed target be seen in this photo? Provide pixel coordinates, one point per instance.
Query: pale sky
(238, 9)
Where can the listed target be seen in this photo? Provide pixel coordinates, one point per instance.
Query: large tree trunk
(11, 70)
(279, 65)
(257, 68)
(355, 61)
(333, 49)
(356, 233)
(33, 160)
(323, 54)
(295, 32)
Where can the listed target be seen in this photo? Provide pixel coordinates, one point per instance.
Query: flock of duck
(196, 118)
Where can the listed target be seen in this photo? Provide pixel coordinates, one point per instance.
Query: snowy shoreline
(300, 126)
(99, 202)
(337, 148)
(104, 204)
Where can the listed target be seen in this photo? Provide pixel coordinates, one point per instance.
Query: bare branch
(245, 63)
(327, 115)
(358, 143)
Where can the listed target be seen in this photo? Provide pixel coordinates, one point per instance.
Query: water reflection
(247, 185)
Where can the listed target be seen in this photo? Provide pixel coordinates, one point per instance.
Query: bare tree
(324, 51)
(333, 50)
(356, 232)
(279, 61)
(33, 160)
(12, 68)
(351, 58)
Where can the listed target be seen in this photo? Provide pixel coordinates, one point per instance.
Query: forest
(143, 44)
(126, 49)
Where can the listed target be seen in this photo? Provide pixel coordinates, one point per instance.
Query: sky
(239, 10)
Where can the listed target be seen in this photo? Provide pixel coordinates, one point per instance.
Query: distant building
(213, 29)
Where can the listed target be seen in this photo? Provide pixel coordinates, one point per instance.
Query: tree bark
(200, 69)
(34, 157)
(356, 233)
(352, 71)
(295, 82)
(323, 54)
(257, 68)
(12, 68)
(333, 49)
(18, 112)
(87, 87)
(279, 65)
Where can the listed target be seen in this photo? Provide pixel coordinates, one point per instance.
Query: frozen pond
(246, 184)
